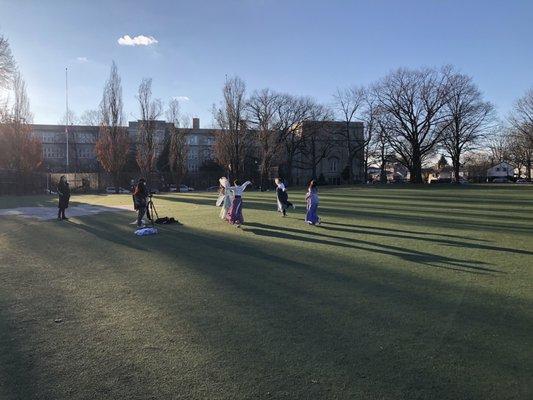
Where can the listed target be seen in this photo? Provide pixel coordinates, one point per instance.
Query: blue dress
(311, 198)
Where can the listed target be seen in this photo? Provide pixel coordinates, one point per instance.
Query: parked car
(522, 181)
(500, 180)
(212, 188)
(185, 188)
(111, 190)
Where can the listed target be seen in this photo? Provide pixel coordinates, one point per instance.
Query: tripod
(151, 211)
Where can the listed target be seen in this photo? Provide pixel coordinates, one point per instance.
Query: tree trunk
(383, 173)
(116, 181)
(289, 169)
(416, 166)
(456, 170)
(528, 166)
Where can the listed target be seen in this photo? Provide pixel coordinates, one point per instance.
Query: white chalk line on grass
(48, 213)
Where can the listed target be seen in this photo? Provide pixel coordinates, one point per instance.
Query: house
(502, 171)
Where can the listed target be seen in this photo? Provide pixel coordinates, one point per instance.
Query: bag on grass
(165, 220)
(146, 231)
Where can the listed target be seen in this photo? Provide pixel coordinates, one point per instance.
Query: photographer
(140, 201)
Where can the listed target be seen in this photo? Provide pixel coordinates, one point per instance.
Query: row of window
(57, 152)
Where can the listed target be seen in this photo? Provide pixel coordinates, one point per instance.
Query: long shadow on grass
(419, 257)
(294, 310)
(412, 218)
(16, 371)
(452, 243)
(321, 326)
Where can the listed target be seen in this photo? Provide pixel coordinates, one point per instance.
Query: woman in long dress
(224, 198)
(235, 216)
(311, 198)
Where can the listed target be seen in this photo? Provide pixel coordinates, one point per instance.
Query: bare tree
(233, 140)
(19, 149)
(7, 63)
(90, 118)
(318, 137)
(150, 110)
(521, 120)
(498, 144)
(470, 119)
(263, 117)
(415, 102)
(113, 144)
(291, 111)
(178, 149)
(349, 104)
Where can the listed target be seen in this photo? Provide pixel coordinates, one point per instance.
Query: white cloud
(181, 98)
(140, 40)
(82, 60)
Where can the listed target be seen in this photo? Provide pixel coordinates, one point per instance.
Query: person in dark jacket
(140, 201)
(282, 197)
(63, 190)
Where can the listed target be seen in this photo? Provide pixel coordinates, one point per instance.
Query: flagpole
(66, 104)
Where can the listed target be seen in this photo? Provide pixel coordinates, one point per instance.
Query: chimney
(196, 123)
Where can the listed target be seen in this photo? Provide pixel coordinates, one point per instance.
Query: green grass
(402, 293)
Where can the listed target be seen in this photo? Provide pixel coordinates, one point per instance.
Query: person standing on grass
(140, 201)
(282, 197)
(311, 198)
(235, 216)
(224, 197)
(63, 190)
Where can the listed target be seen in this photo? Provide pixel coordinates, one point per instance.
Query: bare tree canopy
(415, 101)
(348, 103)
(90, 118)
(318, 137)
(178, 149)
(150, 110)
(522, 114)
(20, 110)
(233, 139)
(7, 63)
(111, 113)
(263, 118)
(19, 149)
(470, 119)
(521, 119)
(113, 145)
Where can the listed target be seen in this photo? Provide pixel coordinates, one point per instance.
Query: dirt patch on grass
(47, 213)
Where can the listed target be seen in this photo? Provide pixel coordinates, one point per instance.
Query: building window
(192, 139)
(333, 165)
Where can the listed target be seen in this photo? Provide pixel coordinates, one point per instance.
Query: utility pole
(66, 122)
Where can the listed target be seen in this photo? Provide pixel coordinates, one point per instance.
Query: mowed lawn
(402, 293)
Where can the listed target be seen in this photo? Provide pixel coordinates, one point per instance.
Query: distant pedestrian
(311, 217)
(63, 190)
(282, 197)
(235, 216)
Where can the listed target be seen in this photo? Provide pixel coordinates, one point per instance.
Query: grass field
(402, 293)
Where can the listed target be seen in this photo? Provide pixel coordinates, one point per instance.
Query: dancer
(224, 198)
(282, 197)
(63, 190)
(311, 217)
(234, 215)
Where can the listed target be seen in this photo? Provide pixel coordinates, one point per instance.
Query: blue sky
(301, 47)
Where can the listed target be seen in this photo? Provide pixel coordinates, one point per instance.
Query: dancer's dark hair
(312, 185)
